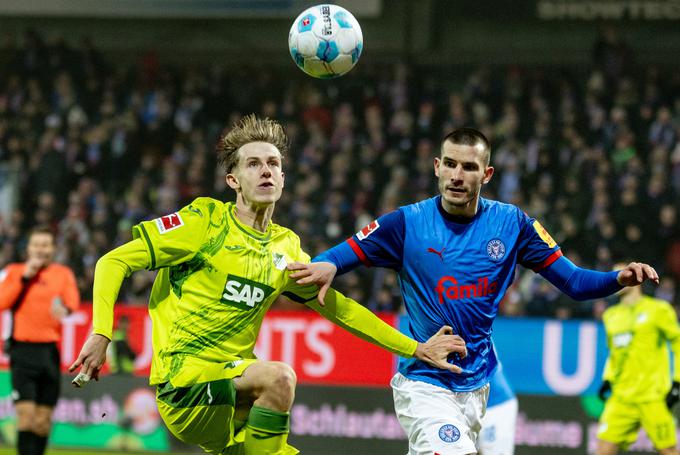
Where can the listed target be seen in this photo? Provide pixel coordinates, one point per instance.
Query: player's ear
(437, 161)
(488, 172)
(283, 179)
(232, 181)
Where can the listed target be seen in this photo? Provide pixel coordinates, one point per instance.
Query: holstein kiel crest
(495, 249)
(449, 433)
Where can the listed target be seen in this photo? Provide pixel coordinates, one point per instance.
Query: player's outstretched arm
(318, 273)
(361, 322)
(111, 270)
(583, 284)
(379, 244)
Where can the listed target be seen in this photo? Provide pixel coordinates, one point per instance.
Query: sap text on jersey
(448, 287)
(244, 293)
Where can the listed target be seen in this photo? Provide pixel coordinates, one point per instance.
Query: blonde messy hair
(249, 129)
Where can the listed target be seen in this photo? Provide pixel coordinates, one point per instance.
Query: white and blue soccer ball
(325, 41)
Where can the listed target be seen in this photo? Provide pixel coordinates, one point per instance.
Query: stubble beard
(459, 202)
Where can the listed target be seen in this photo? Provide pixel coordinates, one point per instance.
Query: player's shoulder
(207, 205)
(208, 211)
(612, 309)
(420, 207)
(62, 273)
(500, 208)
(11, 269)
(285, 241)
(500, 214)
(653, 302)
(60, 268)
(278, 229)
(12, 266)
(283, 234)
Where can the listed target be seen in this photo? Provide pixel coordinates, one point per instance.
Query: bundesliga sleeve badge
(368, 230)
(169, 222)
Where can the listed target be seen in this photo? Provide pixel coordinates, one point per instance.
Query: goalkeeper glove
(605, 390)
(673, 395)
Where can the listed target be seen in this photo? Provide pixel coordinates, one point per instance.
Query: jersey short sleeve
(381, 242)
(537, 249)
(176, 237)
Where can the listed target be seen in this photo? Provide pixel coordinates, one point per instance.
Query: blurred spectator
(595, 155)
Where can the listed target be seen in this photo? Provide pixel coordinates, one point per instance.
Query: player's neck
(254, 216)
(468, 210)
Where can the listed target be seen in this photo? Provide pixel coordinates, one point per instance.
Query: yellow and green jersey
(638, 365)
(217, 278)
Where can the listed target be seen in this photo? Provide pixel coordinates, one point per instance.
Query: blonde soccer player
(221, 265)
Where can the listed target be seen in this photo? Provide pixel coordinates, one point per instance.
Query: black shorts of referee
(36, 374)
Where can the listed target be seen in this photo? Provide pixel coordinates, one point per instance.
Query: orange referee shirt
(33, 321)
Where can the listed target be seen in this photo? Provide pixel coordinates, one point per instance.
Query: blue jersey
(454, 272)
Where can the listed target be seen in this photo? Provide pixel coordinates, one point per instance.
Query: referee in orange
(40, 293)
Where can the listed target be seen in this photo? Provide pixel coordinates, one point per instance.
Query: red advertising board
(319, 351)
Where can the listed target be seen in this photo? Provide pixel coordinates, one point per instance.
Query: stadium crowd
(91, 148)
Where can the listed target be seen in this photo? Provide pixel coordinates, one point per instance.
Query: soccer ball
(325, 41)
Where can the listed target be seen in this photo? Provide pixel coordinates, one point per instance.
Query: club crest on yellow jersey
(279, 261)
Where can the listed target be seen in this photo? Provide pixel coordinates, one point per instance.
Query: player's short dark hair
(249, 129)
(469, 136)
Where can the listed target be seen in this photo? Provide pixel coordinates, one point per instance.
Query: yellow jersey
(638, 335)
(217, 278)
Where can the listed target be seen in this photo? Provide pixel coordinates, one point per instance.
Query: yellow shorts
(198, 405)
(621, 421)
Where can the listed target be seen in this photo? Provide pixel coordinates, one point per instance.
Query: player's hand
(91, 359)
(605, 390)
(58, 310)
(319, 273)
(439, 347)
(635, 273)
(673, 395)
(32, 267)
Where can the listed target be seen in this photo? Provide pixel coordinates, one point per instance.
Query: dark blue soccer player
(456, 255)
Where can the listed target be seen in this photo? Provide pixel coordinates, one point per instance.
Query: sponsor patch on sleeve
(544, 235)
(368, 230)
(169, 222)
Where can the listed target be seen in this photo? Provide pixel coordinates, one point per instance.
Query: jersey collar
(250, 232)
(457, 218)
